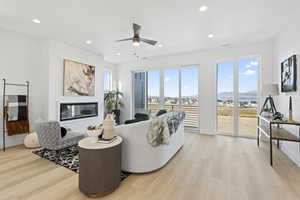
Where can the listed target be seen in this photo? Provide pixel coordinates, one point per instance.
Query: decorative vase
(117, 114)
(108, 127)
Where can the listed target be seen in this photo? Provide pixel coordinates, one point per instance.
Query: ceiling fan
(136, 39)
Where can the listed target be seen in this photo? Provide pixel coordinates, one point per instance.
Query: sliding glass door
(225, 98)
(237, 89)
(247, 97)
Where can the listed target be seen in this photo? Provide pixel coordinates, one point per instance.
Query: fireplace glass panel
(70, 111)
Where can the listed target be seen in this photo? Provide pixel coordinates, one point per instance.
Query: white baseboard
(207, 132)
(199, 131)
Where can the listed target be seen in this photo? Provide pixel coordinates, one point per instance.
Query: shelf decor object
(108, 127)
(272, 129)
(269, 91)
(290, 110)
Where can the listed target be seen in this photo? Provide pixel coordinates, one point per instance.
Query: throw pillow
(63, 132)
(141, 116)
(131, 121)
(161, 112)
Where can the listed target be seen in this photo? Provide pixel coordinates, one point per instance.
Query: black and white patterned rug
(68, 159)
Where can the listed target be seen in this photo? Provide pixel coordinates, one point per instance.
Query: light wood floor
(208, 168)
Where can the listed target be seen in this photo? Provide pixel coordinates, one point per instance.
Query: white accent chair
(138, 156)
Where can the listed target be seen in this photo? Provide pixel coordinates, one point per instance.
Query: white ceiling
(177, 24)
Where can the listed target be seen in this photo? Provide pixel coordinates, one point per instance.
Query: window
(171, 89)
(175, 88)
(139, 87)
(153, 98)
(107, 81)
(189, 95)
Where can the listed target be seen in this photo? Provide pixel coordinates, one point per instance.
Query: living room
(210, 68)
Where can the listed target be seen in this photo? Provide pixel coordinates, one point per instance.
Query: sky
(171, 82)
(107, 81)
(247, 79)
(247, 76)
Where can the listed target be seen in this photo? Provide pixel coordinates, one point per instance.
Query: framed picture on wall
(79, 79)
(289, 74)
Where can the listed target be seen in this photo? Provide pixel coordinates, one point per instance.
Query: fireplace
(71, 111)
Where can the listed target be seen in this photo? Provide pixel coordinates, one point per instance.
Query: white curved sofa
(138, 156)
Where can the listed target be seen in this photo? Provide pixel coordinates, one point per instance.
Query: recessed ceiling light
(203, 8)
(118, 54)
(37, 21)
(88, 42)
(211, 35)
(160, 45)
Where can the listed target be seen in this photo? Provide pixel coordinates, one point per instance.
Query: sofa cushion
(161, 112)
(63, 131)
(141, 116)
(131, 121)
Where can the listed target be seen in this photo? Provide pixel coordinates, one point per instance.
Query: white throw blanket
(158, 132)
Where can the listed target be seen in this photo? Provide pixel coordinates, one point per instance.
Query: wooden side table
(275, 132)
(100, 166)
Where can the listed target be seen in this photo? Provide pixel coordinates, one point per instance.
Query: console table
(272, 129)
(100, 166)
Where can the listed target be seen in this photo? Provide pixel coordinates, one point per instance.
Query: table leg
(258, 135)
(271, 150)
(278, 144)
(258, 132)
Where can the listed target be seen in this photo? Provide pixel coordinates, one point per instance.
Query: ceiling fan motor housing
(136, 38)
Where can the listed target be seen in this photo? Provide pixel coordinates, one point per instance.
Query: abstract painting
(79, 79)
(289, 75)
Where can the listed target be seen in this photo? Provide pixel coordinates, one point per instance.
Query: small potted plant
(112, 100)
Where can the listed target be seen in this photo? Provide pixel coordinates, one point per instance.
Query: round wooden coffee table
(100, 166)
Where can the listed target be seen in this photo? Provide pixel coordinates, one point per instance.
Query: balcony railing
(191, 111)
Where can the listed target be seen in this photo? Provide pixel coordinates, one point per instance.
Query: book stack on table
(106, 141)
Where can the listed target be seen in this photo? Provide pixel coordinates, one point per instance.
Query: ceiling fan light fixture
(136, 43)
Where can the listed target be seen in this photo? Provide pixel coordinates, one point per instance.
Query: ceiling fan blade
(152, 42)
(127, 39)
(136, 29)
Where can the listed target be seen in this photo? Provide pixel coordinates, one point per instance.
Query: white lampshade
(270, 89)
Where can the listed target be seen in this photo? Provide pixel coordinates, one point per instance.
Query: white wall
(21, 59)
(207, 61)
(24, 58)
(286, 45)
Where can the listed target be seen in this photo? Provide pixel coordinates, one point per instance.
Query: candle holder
(290, 110)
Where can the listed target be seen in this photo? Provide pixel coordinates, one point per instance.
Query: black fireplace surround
(71, 111)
